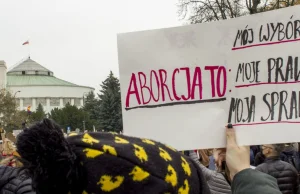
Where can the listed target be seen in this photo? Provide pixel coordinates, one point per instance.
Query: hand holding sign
(237, 157)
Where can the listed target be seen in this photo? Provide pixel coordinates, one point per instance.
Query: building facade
(32, 84)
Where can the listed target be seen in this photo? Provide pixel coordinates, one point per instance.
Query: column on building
(34, 106)
(72, 102)
(77, 102)
(21, 104)
(3, 71)
(61, 103)
(48, 107)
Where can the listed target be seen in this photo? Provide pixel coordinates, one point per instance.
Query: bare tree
(252, 5)
(277, 4)
(199, 11)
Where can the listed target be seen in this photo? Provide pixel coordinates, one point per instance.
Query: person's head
(104, 162)
(48, 157)
(269, 150)
(219, 156)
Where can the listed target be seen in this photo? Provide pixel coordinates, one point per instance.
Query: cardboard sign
(182, 85)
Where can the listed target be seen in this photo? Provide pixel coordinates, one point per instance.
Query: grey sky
(77, 39)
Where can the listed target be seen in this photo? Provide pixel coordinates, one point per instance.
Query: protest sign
(182, 85)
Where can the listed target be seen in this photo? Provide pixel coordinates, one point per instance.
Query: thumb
(231, 137)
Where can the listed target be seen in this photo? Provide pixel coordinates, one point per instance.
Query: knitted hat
(120, 164)
(105, 163)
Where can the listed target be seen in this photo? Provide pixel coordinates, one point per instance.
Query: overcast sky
(77, 40)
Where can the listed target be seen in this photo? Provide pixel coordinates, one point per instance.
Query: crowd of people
(281, 161)
(45, 161)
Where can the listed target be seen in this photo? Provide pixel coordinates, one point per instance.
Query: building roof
(36, 80)
(29, 65)
(21, 75)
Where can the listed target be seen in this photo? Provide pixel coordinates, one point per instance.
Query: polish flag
(25, 43)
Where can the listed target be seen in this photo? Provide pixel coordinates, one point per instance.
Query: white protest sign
(182, 85)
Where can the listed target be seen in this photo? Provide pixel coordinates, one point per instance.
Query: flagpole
(27, 43)
(29, 47)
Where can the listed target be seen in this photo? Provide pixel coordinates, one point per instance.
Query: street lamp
(16, 93)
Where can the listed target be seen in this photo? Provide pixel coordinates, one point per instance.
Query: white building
(32, 84)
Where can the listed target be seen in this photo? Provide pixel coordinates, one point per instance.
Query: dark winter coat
(285, 173)
(14, 182)
(251, 181)
(292, 157)
(255, 149)
(259, 159)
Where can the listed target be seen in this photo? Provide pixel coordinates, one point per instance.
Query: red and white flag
(25, 43)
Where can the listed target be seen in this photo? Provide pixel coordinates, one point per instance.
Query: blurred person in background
(259, 159)
(14, 179)
(219, 180)
(204, 157)
(244, 179)
(285, 173)
(290, 155)
(254, 150)
(210, 161)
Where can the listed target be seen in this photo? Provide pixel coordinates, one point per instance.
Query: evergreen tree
(91, 106)
(38, 115)
(71, 116)
(110, 112)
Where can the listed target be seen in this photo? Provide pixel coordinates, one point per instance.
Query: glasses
(264, 147)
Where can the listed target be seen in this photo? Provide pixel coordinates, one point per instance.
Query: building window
(27, 102)
(77, 101)
(49, 73)
(66, 101)
(23, 72)
(36, 72)
(54, 102)
(42, 101)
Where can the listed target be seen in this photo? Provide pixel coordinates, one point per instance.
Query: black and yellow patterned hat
(116, 164)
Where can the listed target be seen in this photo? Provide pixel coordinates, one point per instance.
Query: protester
(244, 179)
(10, 161)
(212, 161)
(285, 173)
(204, 157)
(253, 152)
(290, 155)
(255, 149)
(12, 179)
(104, 163)
(259, 159)
(218, 181)
(296, 146)
(252, 157)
